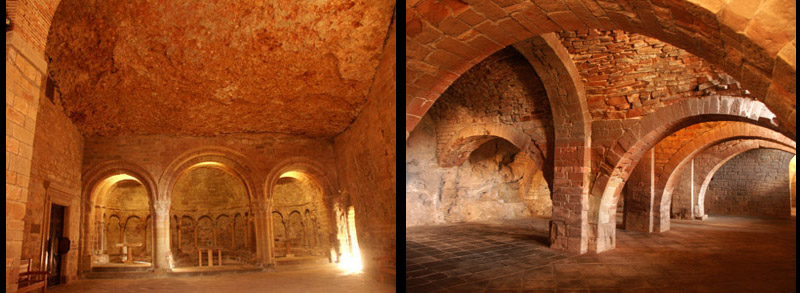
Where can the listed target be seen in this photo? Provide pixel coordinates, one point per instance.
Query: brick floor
(721, 254)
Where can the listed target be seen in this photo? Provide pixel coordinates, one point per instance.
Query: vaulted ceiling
(206, 68)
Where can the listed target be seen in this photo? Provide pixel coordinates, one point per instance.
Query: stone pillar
(263, 235)
(639, 199)
(246, 222)
(569, 226)
(25, 68)
(101, 228)
(163, 257)
(178, 225)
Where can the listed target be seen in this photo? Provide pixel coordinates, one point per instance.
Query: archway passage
(121, 221)
(619, 78)
(206, 202)
(300, 218)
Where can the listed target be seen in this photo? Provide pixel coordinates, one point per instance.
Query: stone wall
(301, 218)
(497, 181)
(627, 75)
(366, 159)
(125, 209)
(209, 200)
(501, 90)
(32, 19)
(25, 66)
(55, 178)
(755, 183)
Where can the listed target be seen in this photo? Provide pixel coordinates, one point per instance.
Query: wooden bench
(30, 280)
(387, 265)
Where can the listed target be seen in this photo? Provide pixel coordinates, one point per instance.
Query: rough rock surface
(496, 182)
(198, 68)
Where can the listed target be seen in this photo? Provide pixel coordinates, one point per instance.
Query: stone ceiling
(203, 68)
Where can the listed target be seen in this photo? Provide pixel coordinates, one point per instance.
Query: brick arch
(669, 174)
(622, 156)
(446, 38)
(567, 168)
(717, 160)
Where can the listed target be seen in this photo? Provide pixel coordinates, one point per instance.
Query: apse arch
(98, 179)
(300, 165)
(221, 157)
(626, 151)
(763, 63)
(301, 169)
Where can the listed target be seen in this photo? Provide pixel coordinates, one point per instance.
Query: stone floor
(720, 254)
(324, 278)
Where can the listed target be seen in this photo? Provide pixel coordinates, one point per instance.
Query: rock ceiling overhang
(206, 68)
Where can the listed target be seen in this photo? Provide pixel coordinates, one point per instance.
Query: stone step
(115, 269)
(302, 267)
(120, 275)
(288, 261)
(206, 271)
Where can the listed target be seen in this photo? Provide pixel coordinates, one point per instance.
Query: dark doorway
(54, 237)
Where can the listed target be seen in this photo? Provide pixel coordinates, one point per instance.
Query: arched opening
(206, 203)
(300, 218)
(121, 224)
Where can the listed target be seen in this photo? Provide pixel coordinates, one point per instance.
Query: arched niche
(113, 191)
(208, 192)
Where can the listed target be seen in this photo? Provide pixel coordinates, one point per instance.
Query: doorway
(55, 236)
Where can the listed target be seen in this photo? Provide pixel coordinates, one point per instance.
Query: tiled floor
(721, 254)
(325, 278)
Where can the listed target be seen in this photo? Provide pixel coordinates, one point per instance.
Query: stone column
(178, 226)
(270, 243)
(639, 199)
(101, 228)
(263, 241)
(246, 231)
(161, 243)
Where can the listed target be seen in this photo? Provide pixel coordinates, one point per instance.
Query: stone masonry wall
(300, 198)
(755, 183)
(32, 18)
(366, 159)
(628, 75)
(24, 70)
(502, 89)
(57, 154)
